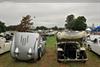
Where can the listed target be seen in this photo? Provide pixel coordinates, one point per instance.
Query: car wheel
(89, 48)
(84, 55)
(59, 57)
(83, 61)
(58, 61)
(39, 54)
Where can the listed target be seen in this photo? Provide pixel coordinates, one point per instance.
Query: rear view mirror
(95, 40)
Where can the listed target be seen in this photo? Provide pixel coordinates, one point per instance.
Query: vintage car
(70, 46)
(4, 45)
(93, 43)
(27, 46)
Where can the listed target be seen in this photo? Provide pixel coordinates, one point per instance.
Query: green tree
(69, 20)
(78, 23)
(2, 27)
(55, 28)
(11, 28)
(25, 24)
(41, 28)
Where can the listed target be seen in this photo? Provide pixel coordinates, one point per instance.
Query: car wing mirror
(95, 41)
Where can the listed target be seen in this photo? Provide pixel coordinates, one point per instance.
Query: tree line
(72, 23)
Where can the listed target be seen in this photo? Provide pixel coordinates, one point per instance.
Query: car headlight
(16, 51)
(29, 52)
(59, 49)
(82, 48)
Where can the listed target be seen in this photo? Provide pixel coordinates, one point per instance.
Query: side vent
(24, 40)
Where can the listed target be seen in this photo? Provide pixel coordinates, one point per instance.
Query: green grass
(51, 42)
(49, 59)
(93, 59)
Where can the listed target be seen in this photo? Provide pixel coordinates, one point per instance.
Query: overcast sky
(48, 14)
(52, 1)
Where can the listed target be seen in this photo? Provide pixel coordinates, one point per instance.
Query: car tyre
(39, 54)
(89, 48)
(58, 61)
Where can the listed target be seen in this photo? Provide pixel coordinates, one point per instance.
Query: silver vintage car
(27, 46)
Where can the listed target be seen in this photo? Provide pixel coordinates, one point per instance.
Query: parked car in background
(93, 43)
(4, 45)
(27, 46)
(51, 33)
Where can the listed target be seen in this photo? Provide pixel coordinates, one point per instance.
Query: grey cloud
(48, 14)
(52, 1)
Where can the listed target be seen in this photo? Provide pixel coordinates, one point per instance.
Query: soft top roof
(71, 35)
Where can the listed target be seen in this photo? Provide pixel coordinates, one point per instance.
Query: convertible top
(71, 35)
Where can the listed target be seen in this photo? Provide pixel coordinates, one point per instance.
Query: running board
(72, 59)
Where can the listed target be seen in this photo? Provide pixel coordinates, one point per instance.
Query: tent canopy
(96, 29)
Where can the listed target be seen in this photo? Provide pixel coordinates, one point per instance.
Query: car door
(42, 44)
(95, 46)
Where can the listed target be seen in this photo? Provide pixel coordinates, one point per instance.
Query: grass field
(49, 59)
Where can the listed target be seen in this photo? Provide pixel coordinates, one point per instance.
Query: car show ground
(49, 59)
